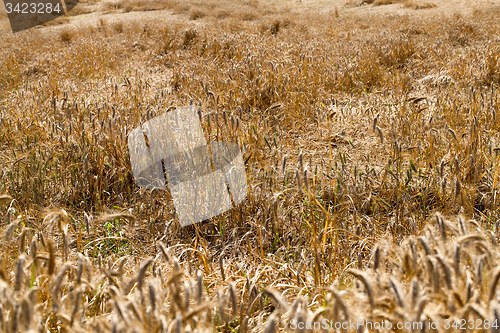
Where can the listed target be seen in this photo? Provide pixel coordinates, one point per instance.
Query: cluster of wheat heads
(50, 287)
(447, 274)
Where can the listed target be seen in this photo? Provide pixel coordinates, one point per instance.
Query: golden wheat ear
(4, 199)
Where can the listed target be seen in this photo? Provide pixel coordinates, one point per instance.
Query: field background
(370, 138)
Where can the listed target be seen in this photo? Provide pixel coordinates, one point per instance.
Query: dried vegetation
(355, 129)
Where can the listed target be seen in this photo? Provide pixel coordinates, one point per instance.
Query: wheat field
(370, 140)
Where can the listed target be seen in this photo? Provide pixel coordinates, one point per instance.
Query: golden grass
(448, 274)
(406, 3)
(355, 132)
(419, 5)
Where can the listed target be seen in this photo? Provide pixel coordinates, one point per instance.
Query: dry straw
(78, 237)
